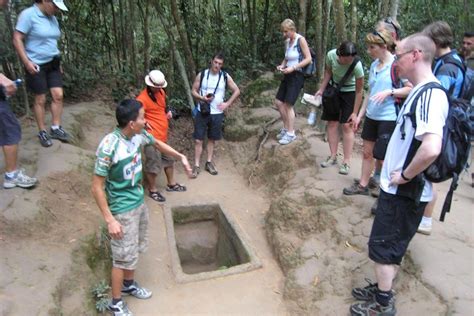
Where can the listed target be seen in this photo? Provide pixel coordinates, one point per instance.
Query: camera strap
(207, 81)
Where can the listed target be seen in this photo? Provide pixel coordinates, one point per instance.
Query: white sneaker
(424, 228)
(287, 139)
(20, 180)
(282, 133)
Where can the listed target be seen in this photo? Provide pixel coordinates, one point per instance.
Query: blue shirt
(41, 35)
(380, 80)
(450, 75)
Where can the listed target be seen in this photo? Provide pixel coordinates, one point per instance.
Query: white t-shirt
(431, 112)
(209, 83)
(292, 55)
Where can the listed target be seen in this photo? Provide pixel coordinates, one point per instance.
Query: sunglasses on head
(390, 21)
(379, 35)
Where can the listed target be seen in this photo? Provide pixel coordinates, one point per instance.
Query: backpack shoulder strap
(348, 73)
(202, 77)
(225, 78)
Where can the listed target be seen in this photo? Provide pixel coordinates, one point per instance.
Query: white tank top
(209, 83)
(292, 55)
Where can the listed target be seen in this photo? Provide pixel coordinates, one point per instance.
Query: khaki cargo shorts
(155, 160)
(135, 238)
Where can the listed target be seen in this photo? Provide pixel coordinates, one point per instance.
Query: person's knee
(198, 142)
(40, 100)
(333, 125)
(347, 128)
(57, 95)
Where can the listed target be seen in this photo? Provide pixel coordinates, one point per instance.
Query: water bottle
(17, 82)
(312, 117)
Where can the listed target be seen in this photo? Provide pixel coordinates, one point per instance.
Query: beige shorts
(155, 160)
(135, 238)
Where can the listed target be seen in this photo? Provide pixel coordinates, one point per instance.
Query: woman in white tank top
(297, 56)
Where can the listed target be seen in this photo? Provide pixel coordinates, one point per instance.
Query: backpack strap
(200, 82)
(347, 74)
(396, 83)
(451, 60)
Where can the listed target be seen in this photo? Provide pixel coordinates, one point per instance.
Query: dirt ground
(310, 239)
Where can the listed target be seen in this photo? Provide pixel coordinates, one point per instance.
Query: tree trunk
(302, 17)
(115, 34)
(394, 8)
(184, 40)
(146, 38)
(264, 44)
(325, 32)
(339, 20)
(353, 21)
(384, 7)
(319, 37)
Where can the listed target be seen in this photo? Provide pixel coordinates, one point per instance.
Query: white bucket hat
(156, 79)
(60, 4)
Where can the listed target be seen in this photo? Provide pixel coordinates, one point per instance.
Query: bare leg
(290, 117)
(333, 137)
(151, 181)
(197, 152)
(117, 282)
(38, 107)
(347, 142)
(169, 172)
(429, 209)
(57, 105)
(11, 155)
(282, 109)
(367, 163)
(385, 273)
(210, 149)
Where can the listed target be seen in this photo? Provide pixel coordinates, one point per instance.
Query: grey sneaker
(281, 133)
(20, 180)
(137, 291)
(356, 189)
(119, 309)
(372, 308)
(211, 168)
(329, 162)
(60, 134)
(287, 139)
(365, 293)
(196, 171)
(344, 169)
(373, 184)
(45, 139)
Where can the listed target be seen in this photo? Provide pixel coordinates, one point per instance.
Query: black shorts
(10, 129)
(208, 124)
(374, 129)
(48, 77)
(290, 87)
(346, 107)
(395, 223)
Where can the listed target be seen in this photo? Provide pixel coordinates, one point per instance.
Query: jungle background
(109, 45)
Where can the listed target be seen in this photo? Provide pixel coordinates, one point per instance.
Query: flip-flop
(175, 188)
(156, 196)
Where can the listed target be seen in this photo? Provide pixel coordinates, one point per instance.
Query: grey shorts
(10, 130)
(155, 160)
(135, 238)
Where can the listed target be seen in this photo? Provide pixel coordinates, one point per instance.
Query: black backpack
(396, 83)
(456, 144)
(310, 69)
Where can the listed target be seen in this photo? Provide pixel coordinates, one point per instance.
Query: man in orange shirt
(153, 98)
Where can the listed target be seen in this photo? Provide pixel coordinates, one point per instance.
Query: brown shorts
(135, 238)
(155, 160)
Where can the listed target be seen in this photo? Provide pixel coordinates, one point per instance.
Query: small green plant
(101, 295)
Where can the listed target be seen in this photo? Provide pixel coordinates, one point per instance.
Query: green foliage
(100, 293)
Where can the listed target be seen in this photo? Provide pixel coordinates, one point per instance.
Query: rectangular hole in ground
(205, 240)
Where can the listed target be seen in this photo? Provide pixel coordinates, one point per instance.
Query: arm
(113, 226)
(8, 85)
(324, 83)
(235, 94)
(397, 93)
(195, 90)
(426, 154)
(306, 60)
(282, 66)
(358, 100)
(362, 110)
(170, 151)
(18, 39)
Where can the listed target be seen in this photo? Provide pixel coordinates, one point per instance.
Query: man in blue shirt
(36, 42)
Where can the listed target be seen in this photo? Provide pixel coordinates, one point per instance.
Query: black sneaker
(372, 308)
(60, 134)
(356, 189)
(210, 168)
(119, 309)
(45, 139)
(365, 293)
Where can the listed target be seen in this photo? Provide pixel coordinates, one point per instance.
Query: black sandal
(156, 196)
(175, 188)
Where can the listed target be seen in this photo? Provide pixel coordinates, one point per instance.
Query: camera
(210, 95)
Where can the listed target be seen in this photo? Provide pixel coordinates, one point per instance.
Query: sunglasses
(390, 21)
(379, 35)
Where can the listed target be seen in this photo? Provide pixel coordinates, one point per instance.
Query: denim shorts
(135, 238)
(10, 129)
(396, 222)
(210, 125)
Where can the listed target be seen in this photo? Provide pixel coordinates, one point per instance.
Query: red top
(155, 113)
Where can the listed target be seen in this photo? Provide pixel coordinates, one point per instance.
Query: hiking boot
(196, 171)
(424, 228)
(375, 192)
(119, 309)
(372, 308)
(19, 180)
(282, 133)
(137, 291)
(44, 138)
(356, 189)
(210, 168)
(373, 184)
(287, 139)
(329, 162)
(365, 293)
(60, 134)
(344, 169)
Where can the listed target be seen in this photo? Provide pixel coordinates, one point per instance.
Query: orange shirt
(155, 113)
